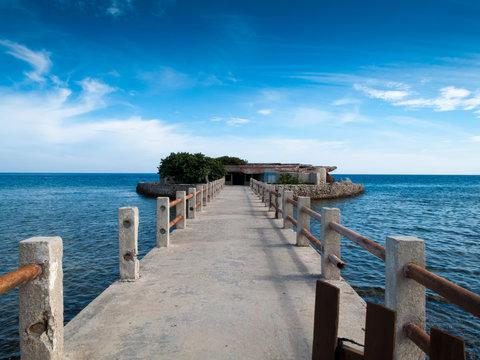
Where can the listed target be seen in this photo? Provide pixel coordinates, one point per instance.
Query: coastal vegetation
(187, 168)
(287, 179)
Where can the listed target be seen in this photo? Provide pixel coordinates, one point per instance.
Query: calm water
(82, 209)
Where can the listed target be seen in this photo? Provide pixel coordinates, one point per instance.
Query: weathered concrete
(192, 209)
(404, 295)
(233, 286)
(128, 243)
(41, 300)
(287, 209)
(336, 190)
(163, 220)
(330, 242)
(181, 209)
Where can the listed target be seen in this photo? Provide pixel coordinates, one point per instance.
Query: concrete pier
(231, 285)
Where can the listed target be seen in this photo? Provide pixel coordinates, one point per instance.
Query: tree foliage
(231, 160)
(189, 168)
(287, 179)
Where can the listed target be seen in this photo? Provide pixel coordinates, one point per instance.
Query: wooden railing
(403, 255)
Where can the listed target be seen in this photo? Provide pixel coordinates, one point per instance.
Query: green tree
(286, 179)
(189, 168)
(231, 160)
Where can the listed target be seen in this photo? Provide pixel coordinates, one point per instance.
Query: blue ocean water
(82, 209)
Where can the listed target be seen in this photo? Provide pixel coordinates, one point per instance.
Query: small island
(179, 171)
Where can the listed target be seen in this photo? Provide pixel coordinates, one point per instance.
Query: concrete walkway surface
(232, 285)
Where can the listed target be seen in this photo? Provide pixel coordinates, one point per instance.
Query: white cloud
(39, 60)
(387, 95)
(235, 121)
(475, 138)
(217, 119)
(265, 111)
(451, 98)
(346, 101)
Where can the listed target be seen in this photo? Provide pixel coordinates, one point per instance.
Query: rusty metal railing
(174, 221)
(456, 294)
(369, 245)
(418, 336)
(313, 214)
(312, 239)
(19, 277)
(198, 192)
(175, 202)
(293, 202)
(189, 196)
(197, 204)
(292, 220)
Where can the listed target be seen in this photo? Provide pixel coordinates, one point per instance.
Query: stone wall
(338, 189)
(152, 189)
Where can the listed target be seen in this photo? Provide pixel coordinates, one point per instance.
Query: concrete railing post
(191, 203)
(128, 243)
(41, 300)
(277, 201)
(405, 296)
(200, 197)
(303, 221)
(331, 243)
(279, 214)
(204, 195)
(209, 192)
(163, 222)
(180, 209)
(287, 209)
(268, 199)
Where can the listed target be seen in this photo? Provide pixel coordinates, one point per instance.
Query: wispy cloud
(475, 138)
(235, 121)
(39, 60)
(388, 95)
(346, 101)
(451, 98)
(265, 111)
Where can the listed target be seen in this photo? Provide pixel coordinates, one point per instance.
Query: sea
(82, 209)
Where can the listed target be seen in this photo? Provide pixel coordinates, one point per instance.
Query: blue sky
(115, 85)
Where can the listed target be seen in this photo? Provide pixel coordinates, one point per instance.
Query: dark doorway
(238, 179)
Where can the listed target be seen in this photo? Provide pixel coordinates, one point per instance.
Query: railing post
(303, 221)
(281, 192)
(404, 295)
(163, 222)
(287, 209)
(191, 203)
(277, 201)
(128, 243)
(268, 200)
(200, 197)
(204, 195)
(251, 184)
(41, 300)
(209, 191)
(331, 243)
(180, 209)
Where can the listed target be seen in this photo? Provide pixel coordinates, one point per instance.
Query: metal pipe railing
(174, 221)
(198, 192)
(418, 336)
(369, 245)
(272, 204)
(456, 294)
(312, 239)
(335, 260)
(189, 196)
(175, 202)
(293, 202)
(197, 204)
(292, 220)
(312, 213)
(19, 277)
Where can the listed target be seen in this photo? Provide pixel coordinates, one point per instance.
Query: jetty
(229, 278)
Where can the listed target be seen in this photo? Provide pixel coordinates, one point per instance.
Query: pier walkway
(231, 285)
